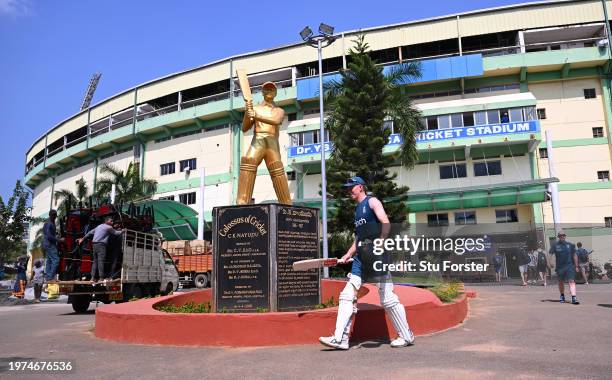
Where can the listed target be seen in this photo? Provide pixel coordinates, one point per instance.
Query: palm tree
(67, 197)
(129, 186)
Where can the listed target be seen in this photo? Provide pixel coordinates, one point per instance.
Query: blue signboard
(532, 126)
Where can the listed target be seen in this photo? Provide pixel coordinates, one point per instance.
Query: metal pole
(323, 177)
(112, 194)
(554, 190)
(201, 208)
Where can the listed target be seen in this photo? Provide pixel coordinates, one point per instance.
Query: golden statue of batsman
(267, 118)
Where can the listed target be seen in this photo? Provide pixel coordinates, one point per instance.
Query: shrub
(189, 307)
(448, 291)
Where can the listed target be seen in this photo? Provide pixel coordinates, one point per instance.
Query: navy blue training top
(367, 226)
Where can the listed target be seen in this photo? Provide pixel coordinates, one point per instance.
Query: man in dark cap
(371, 222)
(566, 266)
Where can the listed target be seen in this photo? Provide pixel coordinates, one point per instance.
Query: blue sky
(49, 49)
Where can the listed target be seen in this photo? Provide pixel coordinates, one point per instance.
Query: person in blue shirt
(566, 265)
(49, 246)
(498, 261)
(583, 261)
(371, 222)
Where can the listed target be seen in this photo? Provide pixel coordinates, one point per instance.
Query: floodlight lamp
(306, 33)
(326, 29)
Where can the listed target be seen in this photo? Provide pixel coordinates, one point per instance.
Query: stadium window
(444, 121)
(456, 120)
(487, 168)
(504, 115)
(163, 139)
(432, 123)
(292, 116)
(453, 171)
(187, 198)
(437, 220)
(480, 118)
(189, 133)
(530, 113)
(311, 111)
(166, 169)
(168, 198)
(190, 163)
(608, 221)
(493, 117)
(308, 137)
(541, 113)
(468, 119)
(598, 132)
(465, 217)
(506, 216)
(543, 152)
(589, 93)
(516, 114)
(603, 175)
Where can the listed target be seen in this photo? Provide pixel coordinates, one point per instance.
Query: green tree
(129, 186)
(68, 198)
(359, 103)
(14, 215)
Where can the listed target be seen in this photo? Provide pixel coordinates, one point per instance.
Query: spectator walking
(584, 261)
(542, 260)
(566, 266)
(498, 260)
(532, 267)
(523, 261)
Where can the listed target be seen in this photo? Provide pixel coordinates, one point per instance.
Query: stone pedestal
(254, 247)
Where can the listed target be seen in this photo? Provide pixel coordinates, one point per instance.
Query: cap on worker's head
(561, 233)
(354, 181)
(269, 86)
(52, 213)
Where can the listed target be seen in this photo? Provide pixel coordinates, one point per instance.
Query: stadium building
(493, 82)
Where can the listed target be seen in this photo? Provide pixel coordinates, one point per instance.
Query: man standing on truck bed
(100, 236)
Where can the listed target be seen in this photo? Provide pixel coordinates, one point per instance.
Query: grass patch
(448, 291)
(331, 302)
(189, 307)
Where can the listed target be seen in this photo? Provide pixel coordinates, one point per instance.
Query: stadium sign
(436, 135)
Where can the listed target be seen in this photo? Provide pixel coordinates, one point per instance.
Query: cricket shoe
(330, 341)
(401, 342)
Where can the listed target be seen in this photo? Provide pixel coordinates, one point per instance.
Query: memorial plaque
(241, 259)
(297, 238)
(254, 247)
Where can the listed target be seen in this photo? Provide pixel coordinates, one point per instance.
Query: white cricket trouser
(388, 299)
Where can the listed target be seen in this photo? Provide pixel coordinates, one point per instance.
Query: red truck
(193, 260)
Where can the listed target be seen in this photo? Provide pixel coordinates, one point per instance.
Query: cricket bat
(243, 81)
(303, 265)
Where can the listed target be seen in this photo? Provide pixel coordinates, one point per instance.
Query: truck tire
(132, 291)
(169, 289)
(201, 280)
(80, 303)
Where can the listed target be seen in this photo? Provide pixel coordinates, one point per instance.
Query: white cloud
(14, 7)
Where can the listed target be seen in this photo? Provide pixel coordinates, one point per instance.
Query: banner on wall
(436, 135)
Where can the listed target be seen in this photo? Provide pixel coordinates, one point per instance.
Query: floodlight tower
(323, 39)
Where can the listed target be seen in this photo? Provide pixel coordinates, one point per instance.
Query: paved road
(512, 332)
